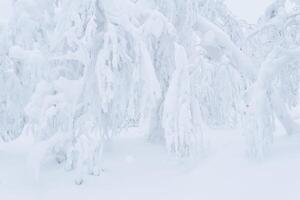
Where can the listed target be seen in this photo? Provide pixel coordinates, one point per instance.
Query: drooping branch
(216, 38)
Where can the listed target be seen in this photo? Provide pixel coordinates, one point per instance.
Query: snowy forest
(149, 99)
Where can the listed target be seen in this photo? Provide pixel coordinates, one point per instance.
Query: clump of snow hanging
(180, 125)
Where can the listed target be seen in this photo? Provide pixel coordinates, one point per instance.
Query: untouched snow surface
(137, 170)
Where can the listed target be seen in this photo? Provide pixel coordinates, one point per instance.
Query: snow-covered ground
(137, 170)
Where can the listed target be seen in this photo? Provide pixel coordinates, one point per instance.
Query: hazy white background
(4, 9)
(249, 10)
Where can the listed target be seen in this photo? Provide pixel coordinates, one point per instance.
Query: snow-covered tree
(76, 73)
(275, 88)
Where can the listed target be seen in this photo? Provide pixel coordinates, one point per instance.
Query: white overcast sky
(249, 10)
(4, 9)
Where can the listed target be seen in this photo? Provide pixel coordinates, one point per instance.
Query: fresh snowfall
(148, 100)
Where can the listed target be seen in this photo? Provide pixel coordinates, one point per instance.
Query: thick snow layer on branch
(216, 41)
